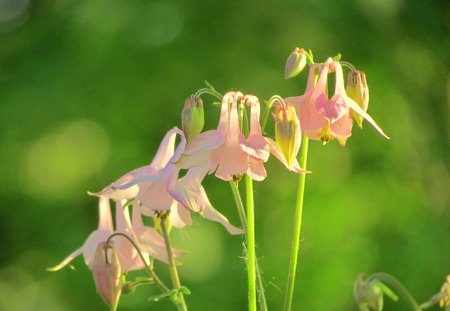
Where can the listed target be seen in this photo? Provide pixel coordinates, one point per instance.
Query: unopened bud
(287, 132)
(192, 118)
(106, 270)
(295, 63)
(358, 90)
(445, 291)
(369, 293)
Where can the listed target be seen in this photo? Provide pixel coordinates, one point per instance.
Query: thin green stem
(390, 280)
(243, 218)
(149, 268)
(180, 302)
(266, 114)
(297, 227)
(251, 268)
(208, 91)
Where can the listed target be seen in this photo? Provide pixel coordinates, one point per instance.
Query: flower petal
(351, 104)
(295, 167)
(212, 214)
(67, 260)
(256, 169)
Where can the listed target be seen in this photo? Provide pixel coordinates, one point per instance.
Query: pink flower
(225, 150)
(159, 188)
(287, 137)
(104, 230)
(150, 242)
(327, 118)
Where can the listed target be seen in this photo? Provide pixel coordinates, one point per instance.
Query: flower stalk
(243, 218)
(297, 226)
(179, 297)
(399, 288)
(251, 267)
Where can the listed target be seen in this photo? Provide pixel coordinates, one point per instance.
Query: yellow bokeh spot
(60, 162)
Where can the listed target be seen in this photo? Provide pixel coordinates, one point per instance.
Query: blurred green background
(88, 89)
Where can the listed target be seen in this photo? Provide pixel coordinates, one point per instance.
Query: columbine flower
(149, 241)
(225, 150)
(255, 145)
(104, 230)
(159, 189)
(358, 90)
(106, 270)
(287, 132)
(327, 118)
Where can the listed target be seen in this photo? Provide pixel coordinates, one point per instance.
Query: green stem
(390, 280)
(180, 302)
(251, 269)
(149, 268)
(210, 92)
(243, 218)
(297, 227)
(271, 101)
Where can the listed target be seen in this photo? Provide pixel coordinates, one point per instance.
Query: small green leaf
(170, 294)
(388, 291)
(337, 57)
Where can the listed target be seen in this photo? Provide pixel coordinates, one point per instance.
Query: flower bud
(287, 132)
(369, 293)
(106, 270)
(192, 118)
(358, 90)
(445, 292)
(295, 63)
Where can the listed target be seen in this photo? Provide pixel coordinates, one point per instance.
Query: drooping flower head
(150, 242)
(159, 188)
(358, 90)
(107, 270)
(287, 132)
(103, 231)
(226, 151)
(324, 118)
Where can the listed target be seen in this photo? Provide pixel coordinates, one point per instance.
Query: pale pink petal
(165, 150)
(198, 150)
(332, 109)
(105, 218)
(255, 146)
(126, 188)
(90, 246)
(295, 167)
(211, 213)
(233, 161)
(256, 169)
(351, 104)
(186, 190)
(128, 256)
(154, 195)
(179, 216)
(342, 128)
(67, 260)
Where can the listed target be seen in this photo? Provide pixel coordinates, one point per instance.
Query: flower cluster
(324, 118)
(170, 188)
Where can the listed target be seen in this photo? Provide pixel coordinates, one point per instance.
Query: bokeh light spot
(204, 251)
(59, 161)
(13, 13)
(159, 23)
